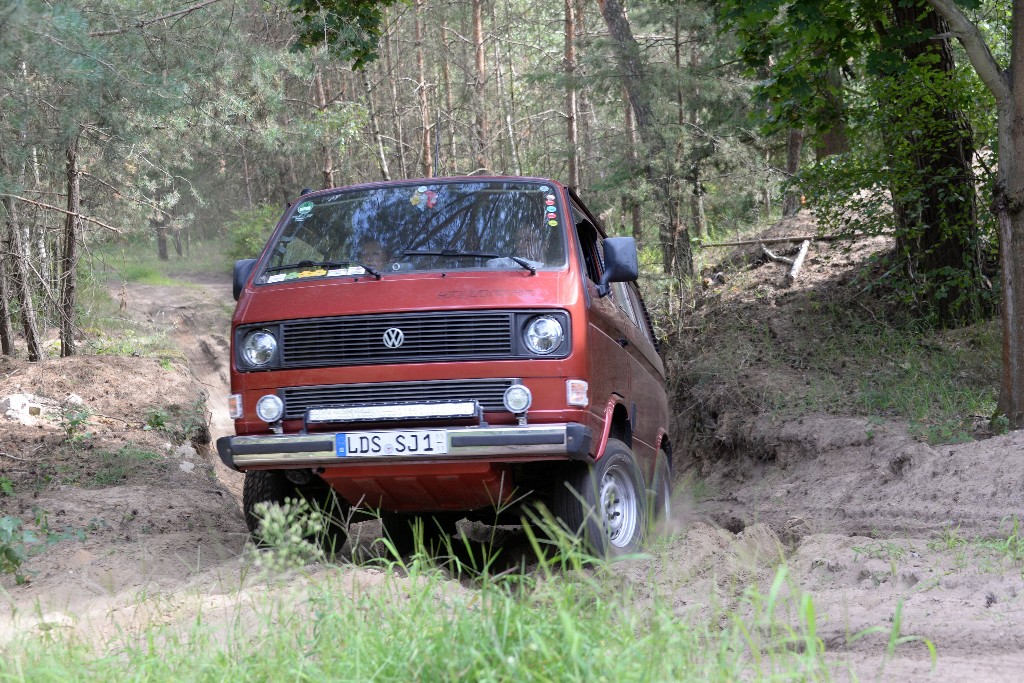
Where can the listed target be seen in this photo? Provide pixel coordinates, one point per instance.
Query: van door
(606, 324)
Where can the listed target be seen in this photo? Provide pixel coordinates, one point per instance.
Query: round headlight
(544, 334)
(258, 348)
(517, 399)
(269, 408)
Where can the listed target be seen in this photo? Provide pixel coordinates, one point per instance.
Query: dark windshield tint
(475, 224)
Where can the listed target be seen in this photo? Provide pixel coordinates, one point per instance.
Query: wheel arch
(617, 425)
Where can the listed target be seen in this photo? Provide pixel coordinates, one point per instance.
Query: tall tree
(1006, 83)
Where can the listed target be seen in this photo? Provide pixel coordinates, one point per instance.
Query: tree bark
(677, 255)
(396, 117)
(428, 150)
(6, 331)
(1007, 86)
(378, 140)
(22, 291)
(69, 253)
(572, 132)
(939, 231)
(483, 161)
(794, 147)
(325, 148)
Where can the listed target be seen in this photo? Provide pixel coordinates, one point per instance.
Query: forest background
(168, 127)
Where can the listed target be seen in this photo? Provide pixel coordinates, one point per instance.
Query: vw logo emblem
(393, 337)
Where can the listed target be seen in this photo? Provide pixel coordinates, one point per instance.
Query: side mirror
(621, 263)
(243, 269)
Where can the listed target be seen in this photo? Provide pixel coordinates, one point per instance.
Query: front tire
(269, 486)
(606, 502)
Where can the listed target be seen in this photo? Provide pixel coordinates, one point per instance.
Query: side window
(645, 325)
(590, 244)
(621, 294)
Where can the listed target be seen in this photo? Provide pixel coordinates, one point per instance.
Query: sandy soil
(862, 517)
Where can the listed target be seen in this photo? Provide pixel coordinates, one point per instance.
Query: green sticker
(305, 207)
(552, 223)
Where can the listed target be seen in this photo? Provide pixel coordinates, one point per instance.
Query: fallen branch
(12, 457)
(64, 211)
(775, 257)
(781, 240)
(797, 263)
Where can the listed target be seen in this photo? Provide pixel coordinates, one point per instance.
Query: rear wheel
(269, 486)
(662, 511)
(606, 502)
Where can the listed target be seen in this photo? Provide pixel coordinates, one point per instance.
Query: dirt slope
(861, 515)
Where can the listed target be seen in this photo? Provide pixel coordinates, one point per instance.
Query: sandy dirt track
(861, 515)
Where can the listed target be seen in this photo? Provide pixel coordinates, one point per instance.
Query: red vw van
(449, 348)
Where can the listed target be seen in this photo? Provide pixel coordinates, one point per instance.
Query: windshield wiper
(454, 253)
(323, 264)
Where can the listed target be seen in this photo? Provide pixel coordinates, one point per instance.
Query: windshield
(486, 225)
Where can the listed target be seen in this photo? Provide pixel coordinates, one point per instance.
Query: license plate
(405, 442)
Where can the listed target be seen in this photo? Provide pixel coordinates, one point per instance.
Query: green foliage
(115, 467)
(6, 486)
(350, 29)
(14, 543)
(17, 544)
(288, 535)
(248, 231)
(156, 418)
(74, 419)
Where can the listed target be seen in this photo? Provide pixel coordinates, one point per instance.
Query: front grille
(359, 340)
(488, 392)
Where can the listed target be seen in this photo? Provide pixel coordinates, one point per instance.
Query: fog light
(235, 406)
(269, 408)
(517, 399)
(576, 392)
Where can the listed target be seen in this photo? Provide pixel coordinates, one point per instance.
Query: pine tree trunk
(835, 140)
(378, 140)
(428, 150)
(69, 255)
(452, 162)
(20, 279)
(677, 256)
(572, 137)
(794, 146)
(6, 331)
(396, 116)
(483, 161)
(326, 148)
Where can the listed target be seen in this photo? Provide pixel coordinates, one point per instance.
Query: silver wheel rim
(666, 506)
(619, 506)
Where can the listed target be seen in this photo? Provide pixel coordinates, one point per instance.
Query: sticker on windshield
(544, 188)
(304, 208)
(552, 223)
(423, 198)
(275, 278)
(313, 273)
(550, 197)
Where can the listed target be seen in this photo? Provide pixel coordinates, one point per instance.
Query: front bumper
(506, 444)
